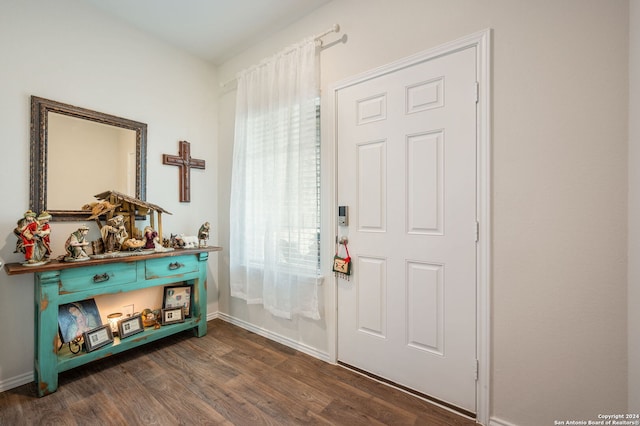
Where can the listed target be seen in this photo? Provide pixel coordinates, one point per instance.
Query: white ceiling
(214, 30)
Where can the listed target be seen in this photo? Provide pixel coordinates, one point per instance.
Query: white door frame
(482, 41)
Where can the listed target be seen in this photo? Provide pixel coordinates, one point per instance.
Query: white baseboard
(16, 381)
(275, 337)
(494, 421)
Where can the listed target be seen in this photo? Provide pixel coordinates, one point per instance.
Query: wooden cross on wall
(186, 163)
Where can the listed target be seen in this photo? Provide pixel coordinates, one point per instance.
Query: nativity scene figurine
(33, 233)
(114, 234)
(119, 235)
(75, 245)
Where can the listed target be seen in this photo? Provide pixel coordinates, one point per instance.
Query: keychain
(342, 265)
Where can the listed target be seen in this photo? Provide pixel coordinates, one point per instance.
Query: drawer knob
(175, 265)
(100, 278)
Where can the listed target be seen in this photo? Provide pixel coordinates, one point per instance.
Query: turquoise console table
(57, 283)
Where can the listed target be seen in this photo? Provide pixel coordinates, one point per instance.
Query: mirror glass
(111, 152)
(77, 153)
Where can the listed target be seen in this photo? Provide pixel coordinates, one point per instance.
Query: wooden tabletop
(55, 265)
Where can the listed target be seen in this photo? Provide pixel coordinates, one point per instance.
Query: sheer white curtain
(274, 237)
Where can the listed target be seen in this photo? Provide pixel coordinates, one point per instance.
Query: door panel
(372, 308)
(371, 186)
(425, 183)
(425, 307)
(407, 170)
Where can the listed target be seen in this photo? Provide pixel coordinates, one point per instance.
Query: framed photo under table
(130, 326)
(178, 296)
(98, 337)
(172, 316)
(77, 317)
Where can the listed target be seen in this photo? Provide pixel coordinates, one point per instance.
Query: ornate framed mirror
(77, 153)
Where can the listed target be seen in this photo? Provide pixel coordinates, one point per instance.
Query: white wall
(66, 51)
(560, 82)
(634, 207)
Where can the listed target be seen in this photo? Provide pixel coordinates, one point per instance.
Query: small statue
(17, 231)
(150, 238)
(75, 244)
(150, 317)
(113, 234)
(203, 235)
(132, 245)
(189, 241)
(99, 208)
(30, 240)
(166, 243)
(44, 231)
(176, 241)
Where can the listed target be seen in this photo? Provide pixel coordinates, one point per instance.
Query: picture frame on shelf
(98, 337)
(178, 296)
(172, 315)
(77, 317)
(130, 326)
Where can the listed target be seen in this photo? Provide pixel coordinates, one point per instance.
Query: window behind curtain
(275, 198)
(297, 237)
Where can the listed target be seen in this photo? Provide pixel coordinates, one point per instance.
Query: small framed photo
(172, 315)
(76, 318)
(179, 296)
(130, 326)
(98, 337)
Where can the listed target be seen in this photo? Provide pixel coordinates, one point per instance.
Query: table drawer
(170, 266)
(97, 276)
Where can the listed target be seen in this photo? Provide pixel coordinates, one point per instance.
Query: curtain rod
(335, 28)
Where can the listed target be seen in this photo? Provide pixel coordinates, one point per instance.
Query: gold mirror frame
(40, 109)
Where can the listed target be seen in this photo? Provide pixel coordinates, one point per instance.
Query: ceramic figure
(190, 241)
(113, 234)
(17, 231)
(203, 234)
(31, 241)
(75, 244)
(150, 238)
(44, 231)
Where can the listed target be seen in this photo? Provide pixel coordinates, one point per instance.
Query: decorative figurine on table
(203, 235)
(113, 234)
(44, 231)
(17, 231)
(30, 240)
(132, 245)
(150, 318)
(176, 241)
(182, 241)
(150, 238)
(74, 247)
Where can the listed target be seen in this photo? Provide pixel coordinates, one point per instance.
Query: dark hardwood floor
(229, 377)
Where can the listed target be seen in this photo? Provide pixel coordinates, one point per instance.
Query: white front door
(406, 143)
